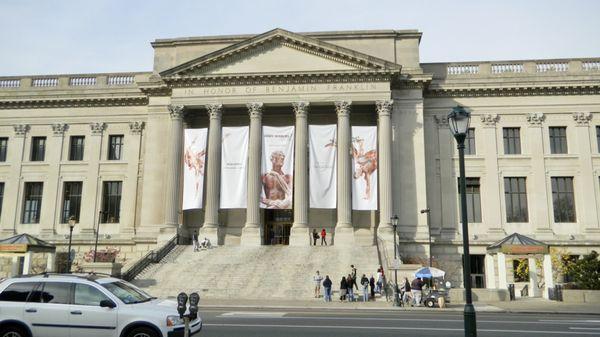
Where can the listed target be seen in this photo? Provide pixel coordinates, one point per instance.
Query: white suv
(54, 305)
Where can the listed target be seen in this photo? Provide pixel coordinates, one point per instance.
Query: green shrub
(586, 272)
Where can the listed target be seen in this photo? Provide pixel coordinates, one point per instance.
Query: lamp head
(458, 121)
(72, 221)
(395, 220)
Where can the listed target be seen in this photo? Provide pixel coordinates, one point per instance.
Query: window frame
(571, 216)
(512, 143)
(558, 142)
(27, 213)
(115, 148)
(38, 149)
(470, 144)
(73, 198)
(3, 149)
(471, 200)
(1, 196)
(76, 150)
(509, 198)
(111, 201)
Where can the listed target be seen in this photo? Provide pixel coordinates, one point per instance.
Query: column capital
(255, 109)
(342, 108)
(176, 111)
(582, 118)
(301, 108)
(97, 128)
(441, 121)
(384, 107)
(21, 129)
(535, 118)
(214, 110)
(489, 120)
(135, 128)
(59, 128)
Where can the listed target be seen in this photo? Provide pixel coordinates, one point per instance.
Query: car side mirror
(107, 304)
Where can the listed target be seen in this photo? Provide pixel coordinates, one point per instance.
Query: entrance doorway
(278, 224)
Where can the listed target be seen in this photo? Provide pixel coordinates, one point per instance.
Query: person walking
(372, 284)
(315, 236)
(327, 287)
(350, 290)
(353, 273)
(364, 281)
(317, 280)
(405, 290)
(379, 284)
(343, 289)
(323, 235)
(195, 241)
(415, 288)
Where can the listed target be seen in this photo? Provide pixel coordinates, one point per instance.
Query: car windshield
(127, 292)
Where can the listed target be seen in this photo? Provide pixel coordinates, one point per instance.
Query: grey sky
(84, 36)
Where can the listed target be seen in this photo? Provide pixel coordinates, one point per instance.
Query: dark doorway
(278, 224)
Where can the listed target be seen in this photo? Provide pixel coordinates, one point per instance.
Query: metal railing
(153, 256)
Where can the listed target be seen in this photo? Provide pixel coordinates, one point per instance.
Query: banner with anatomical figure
(234, 167)
(194, 158)
(364, 168)
(277, 173)
(322, 163)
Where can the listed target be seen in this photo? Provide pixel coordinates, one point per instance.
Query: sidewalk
(535, 305)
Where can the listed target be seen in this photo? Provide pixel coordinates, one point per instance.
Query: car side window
(56, 292)
(17, 292)
(88, 295)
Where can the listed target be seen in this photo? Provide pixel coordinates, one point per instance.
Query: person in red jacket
(323, 234)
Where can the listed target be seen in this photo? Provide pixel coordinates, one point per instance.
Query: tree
(586, 272)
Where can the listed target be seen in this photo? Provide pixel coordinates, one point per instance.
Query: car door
(13, 300)
(87, 317)
(48, 309)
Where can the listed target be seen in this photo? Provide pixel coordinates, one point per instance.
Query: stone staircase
(254, 272)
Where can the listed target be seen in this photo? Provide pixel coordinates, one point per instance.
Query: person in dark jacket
(343, 288)
(327, 287)
(372, 284)
(364, 282)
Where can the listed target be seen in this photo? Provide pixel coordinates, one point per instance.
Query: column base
(344, 236)
(251, 236)
(210, 232)
(385, 233)
(300, 236)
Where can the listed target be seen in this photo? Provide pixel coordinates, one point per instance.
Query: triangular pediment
(279, 51)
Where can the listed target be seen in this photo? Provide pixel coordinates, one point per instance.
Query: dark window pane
(115, 147)
(3, 148)
(111, 201)
(32, 202)
(512, 140)
(470, 142)
(88, 295)
(473, 199)
(1, 196)
(76, 148)
(71, 200)
(56, 292)
(558, 139)
(515, 196)
(598, 137)
(38, 148)
(17, 292)
(563, 199)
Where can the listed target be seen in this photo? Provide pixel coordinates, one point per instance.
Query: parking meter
(194, 300)
(181, 304)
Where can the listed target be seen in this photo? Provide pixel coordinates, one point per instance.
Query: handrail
(153, 256)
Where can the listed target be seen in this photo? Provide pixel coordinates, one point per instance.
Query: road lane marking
(393, 328)
(254, 314)
(583, 328)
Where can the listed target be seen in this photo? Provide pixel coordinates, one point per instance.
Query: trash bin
(511, 291)
(558, 294)
(552, 294)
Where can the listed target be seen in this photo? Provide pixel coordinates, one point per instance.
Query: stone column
(385, 228)
(448, 181)
(534, 291)
(539, 194)
(502, 281)
(133, 150)
(300, 235)
(89, 199)
(211, 228)
(10, 210)
(27, 263)
(344, 232)
(51, 262)
(490, 272)
(491, 182)
(548, 275)
(174, 168)
(252, 231)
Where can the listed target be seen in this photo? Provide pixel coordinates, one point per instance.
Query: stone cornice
(513, 91)
(80, 102)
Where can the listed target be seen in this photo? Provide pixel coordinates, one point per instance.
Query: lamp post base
(470, 321)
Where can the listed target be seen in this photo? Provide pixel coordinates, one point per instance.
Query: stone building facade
(112, 143)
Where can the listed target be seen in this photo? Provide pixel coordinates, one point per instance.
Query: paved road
(249, 322)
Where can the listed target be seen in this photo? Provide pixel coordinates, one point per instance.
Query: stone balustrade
(73, 81)
(499, 68)
(77, 81)
(10, 83)
(461, 69)
(551, 66)
(591, 65)
(44, 82)
(120, 79)
(514, 68)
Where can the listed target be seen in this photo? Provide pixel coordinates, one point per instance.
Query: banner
(322, 161)
(194, 157)
(234, 167)
(364, 167)
(277, 173)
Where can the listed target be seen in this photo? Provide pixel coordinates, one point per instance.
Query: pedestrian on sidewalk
(315, 236)
(353, 273)
(364, 281)
(323, 235)
(317, 280)
(327, 287)
(405, 291)
(195, 241)
(372, 284)
(415, 288)
(350, 290)
(343, 289)
(379, 284)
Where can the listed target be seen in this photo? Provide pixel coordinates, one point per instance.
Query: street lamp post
(428, 211)
(72, 222)
(97, 233)
(458, 120)
(396, 290)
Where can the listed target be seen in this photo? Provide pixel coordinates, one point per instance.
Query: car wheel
(141, 332)
(12, 331)
(430, 303)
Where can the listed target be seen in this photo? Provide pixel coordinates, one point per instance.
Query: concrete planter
(110, 268)
(581, 296)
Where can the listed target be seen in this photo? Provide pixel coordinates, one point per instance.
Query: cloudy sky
(84, 36)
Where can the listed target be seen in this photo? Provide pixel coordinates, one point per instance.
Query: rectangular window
(115, 147)
(598, 137)
(470, 142)
(478, 271)
(76, 148)
(1, 196)
(38, 148)
(3, 148)
(512, 140)
(519, 268)
(563, 199)
(32, 202)
(111, 201)
(473, 199)
(515, 194)
(558, 139)
(71, 201)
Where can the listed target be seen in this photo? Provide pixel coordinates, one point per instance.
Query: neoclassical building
(108, 149)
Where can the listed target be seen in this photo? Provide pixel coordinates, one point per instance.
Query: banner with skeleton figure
(234, 167)
(322, 165)
(364, 168)
(194, 157)
(277, 173)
